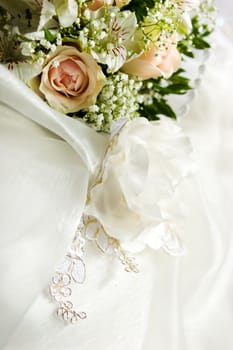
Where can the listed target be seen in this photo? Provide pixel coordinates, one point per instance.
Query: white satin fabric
(173, 303)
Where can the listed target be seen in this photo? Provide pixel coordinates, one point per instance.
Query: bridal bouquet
(104, 60)
(112, 64)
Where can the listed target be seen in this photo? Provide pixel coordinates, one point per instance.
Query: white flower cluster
(38, 46)
(162, 22)
(116, 52)
(94, 32)
(119, 98)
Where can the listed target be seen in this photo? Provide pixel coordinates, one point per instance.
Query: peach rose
(153, 63)
(70, 80)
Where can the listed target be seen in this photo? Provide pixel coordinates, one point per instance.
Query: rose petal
(73, 86)
(154, 63)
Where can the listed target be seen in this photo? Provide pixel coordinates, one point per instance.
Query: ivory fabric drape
(46, 163)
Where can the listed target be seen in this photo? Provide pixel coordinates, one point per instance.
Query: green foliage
(49, 36)
(184, 48)
(199, 33)
(176, 84)
(140, 7)
(200, 44)
(196, 39)
(70, 32)
(158, 89)
(159, 107)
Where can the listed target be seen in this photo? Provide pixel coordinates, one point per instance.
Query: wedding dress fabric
(173, 303)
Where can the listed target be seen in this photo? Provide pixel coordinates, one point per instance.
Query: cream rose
(153, 63)
(70, 80)
(134, 200)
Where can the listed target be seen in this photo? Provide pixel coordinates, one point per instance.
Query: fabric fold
(89, 144)
(184, 304)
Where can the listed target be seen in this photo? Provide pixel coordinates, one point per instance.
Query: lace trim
(72, 269)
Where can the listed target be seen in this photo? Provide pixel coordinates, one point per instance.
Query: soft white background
(174, 303)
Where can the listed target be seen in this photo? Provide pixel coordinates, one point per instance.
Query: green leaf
(176, 78)
(159, 107)
(177, 84)
(157, 89)
(178, 72)
(200, 43)
(140, 7)
(196, 39)
(184, 49)
(176, 89)
(49, 36)
(165, 109)
(150, 112)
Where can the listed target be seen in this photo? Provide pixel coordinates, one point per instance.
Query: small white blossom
(59, 40)
(45, 43)
(27, 48)
(40, 61)
(53, 47)
(87, 14)
(119, 99)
